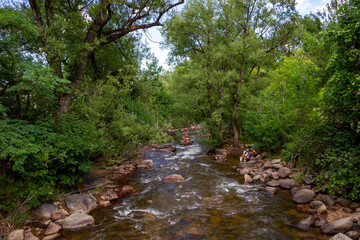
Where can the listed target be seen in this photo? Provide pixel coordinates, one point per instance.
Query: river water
(212, 203)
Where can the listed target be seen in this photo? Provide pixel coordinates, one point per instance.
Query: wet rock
(44, 210)
(173, 178)
(52, 229)
(77, 221)
(51, 237)
(343, 202)
(304, 196)
(340, 236)
(16, 235)
(354, 205)
(319, 221)
(294, 190)
(271, 191)
(327, 200)
(284, 172)
(275, 175)
(277, 166)
(287, 183)
(104, 203)
(150, 217)
(339, 226)
(127, 189)
(148, 164)
(80, 203)
(248, 179)
(59, 214)
(305, 223)
(316, 204)
(353, 235)
(168, 150)
(273, 183)
(149, 201)
(30, 236)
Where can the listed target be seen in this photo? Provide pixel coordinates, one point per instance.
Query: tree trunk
(235, 129)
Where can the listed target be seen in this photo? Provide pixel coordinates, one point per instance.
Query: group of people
(247, 154)
(186, 138)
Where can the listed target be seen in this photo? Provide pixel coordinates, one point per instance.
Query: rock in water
(305, 223)
(52, 229)
(339, 226)
(287, 183)
(173, 178)
(248, 179)
(77, 221)
(80, 203)
(340, 236)
(327, 200)
(127, 189)
(271, 191)
(304, 196)
(148, 164)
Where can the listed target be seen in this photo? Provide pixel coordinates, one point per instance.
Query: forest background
(74, 88)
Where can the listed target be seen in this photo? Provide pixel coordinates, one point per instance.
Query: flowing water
(212, 203)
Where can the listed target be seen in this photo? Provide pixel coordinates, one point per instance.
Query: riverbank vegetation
(78, 84)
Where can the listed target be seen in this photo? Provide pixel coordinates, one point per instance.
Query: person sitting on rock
(248, 155)
(186, 138)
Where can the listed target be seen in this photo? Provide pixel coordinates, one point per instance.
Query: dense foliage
(77, 84)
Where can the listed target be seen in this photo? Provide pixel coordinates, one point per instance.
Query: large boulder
(77, 221)
(343, 202)
(304, 196)
(339, 226)
(44, 210)
(340, 236)
(146, 164)
(284, 172)
(83, 203)
(173, 178)
(287, 183)
(16, 235)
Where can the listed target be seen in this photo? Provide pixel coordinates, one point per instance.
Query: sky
(153, 36)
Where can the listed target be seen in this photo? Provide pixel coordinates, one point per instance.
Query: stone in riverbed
(277, 166)
(273, 183)
(257, 177)
(127, 189)
(52, 229)
(353, 234)
(59, 214)
(44, 210)
(16, 235)
(271, 191)
(287, 183)
(354, 205)
(276, 161)
(148, 164)
(268, 164)
(294, 190)
(319, 221)
(316, 204)
(327, 200)
(51, 237)
(340, 236)
(343, 202)
(80, 203)
(304, 196)
(77, 221)
(339, 226)
(248, 179)
(173, 178)
(284, 172)
(305, 223)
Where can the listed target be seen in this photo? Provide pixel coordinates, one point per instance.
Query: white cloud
(307, 6)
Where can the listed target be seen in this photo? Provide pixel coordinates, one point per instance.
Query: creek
(212, 203)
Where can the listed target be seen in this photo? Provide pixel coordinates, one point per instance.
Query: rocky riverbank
(99, 188)
(332, 214)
